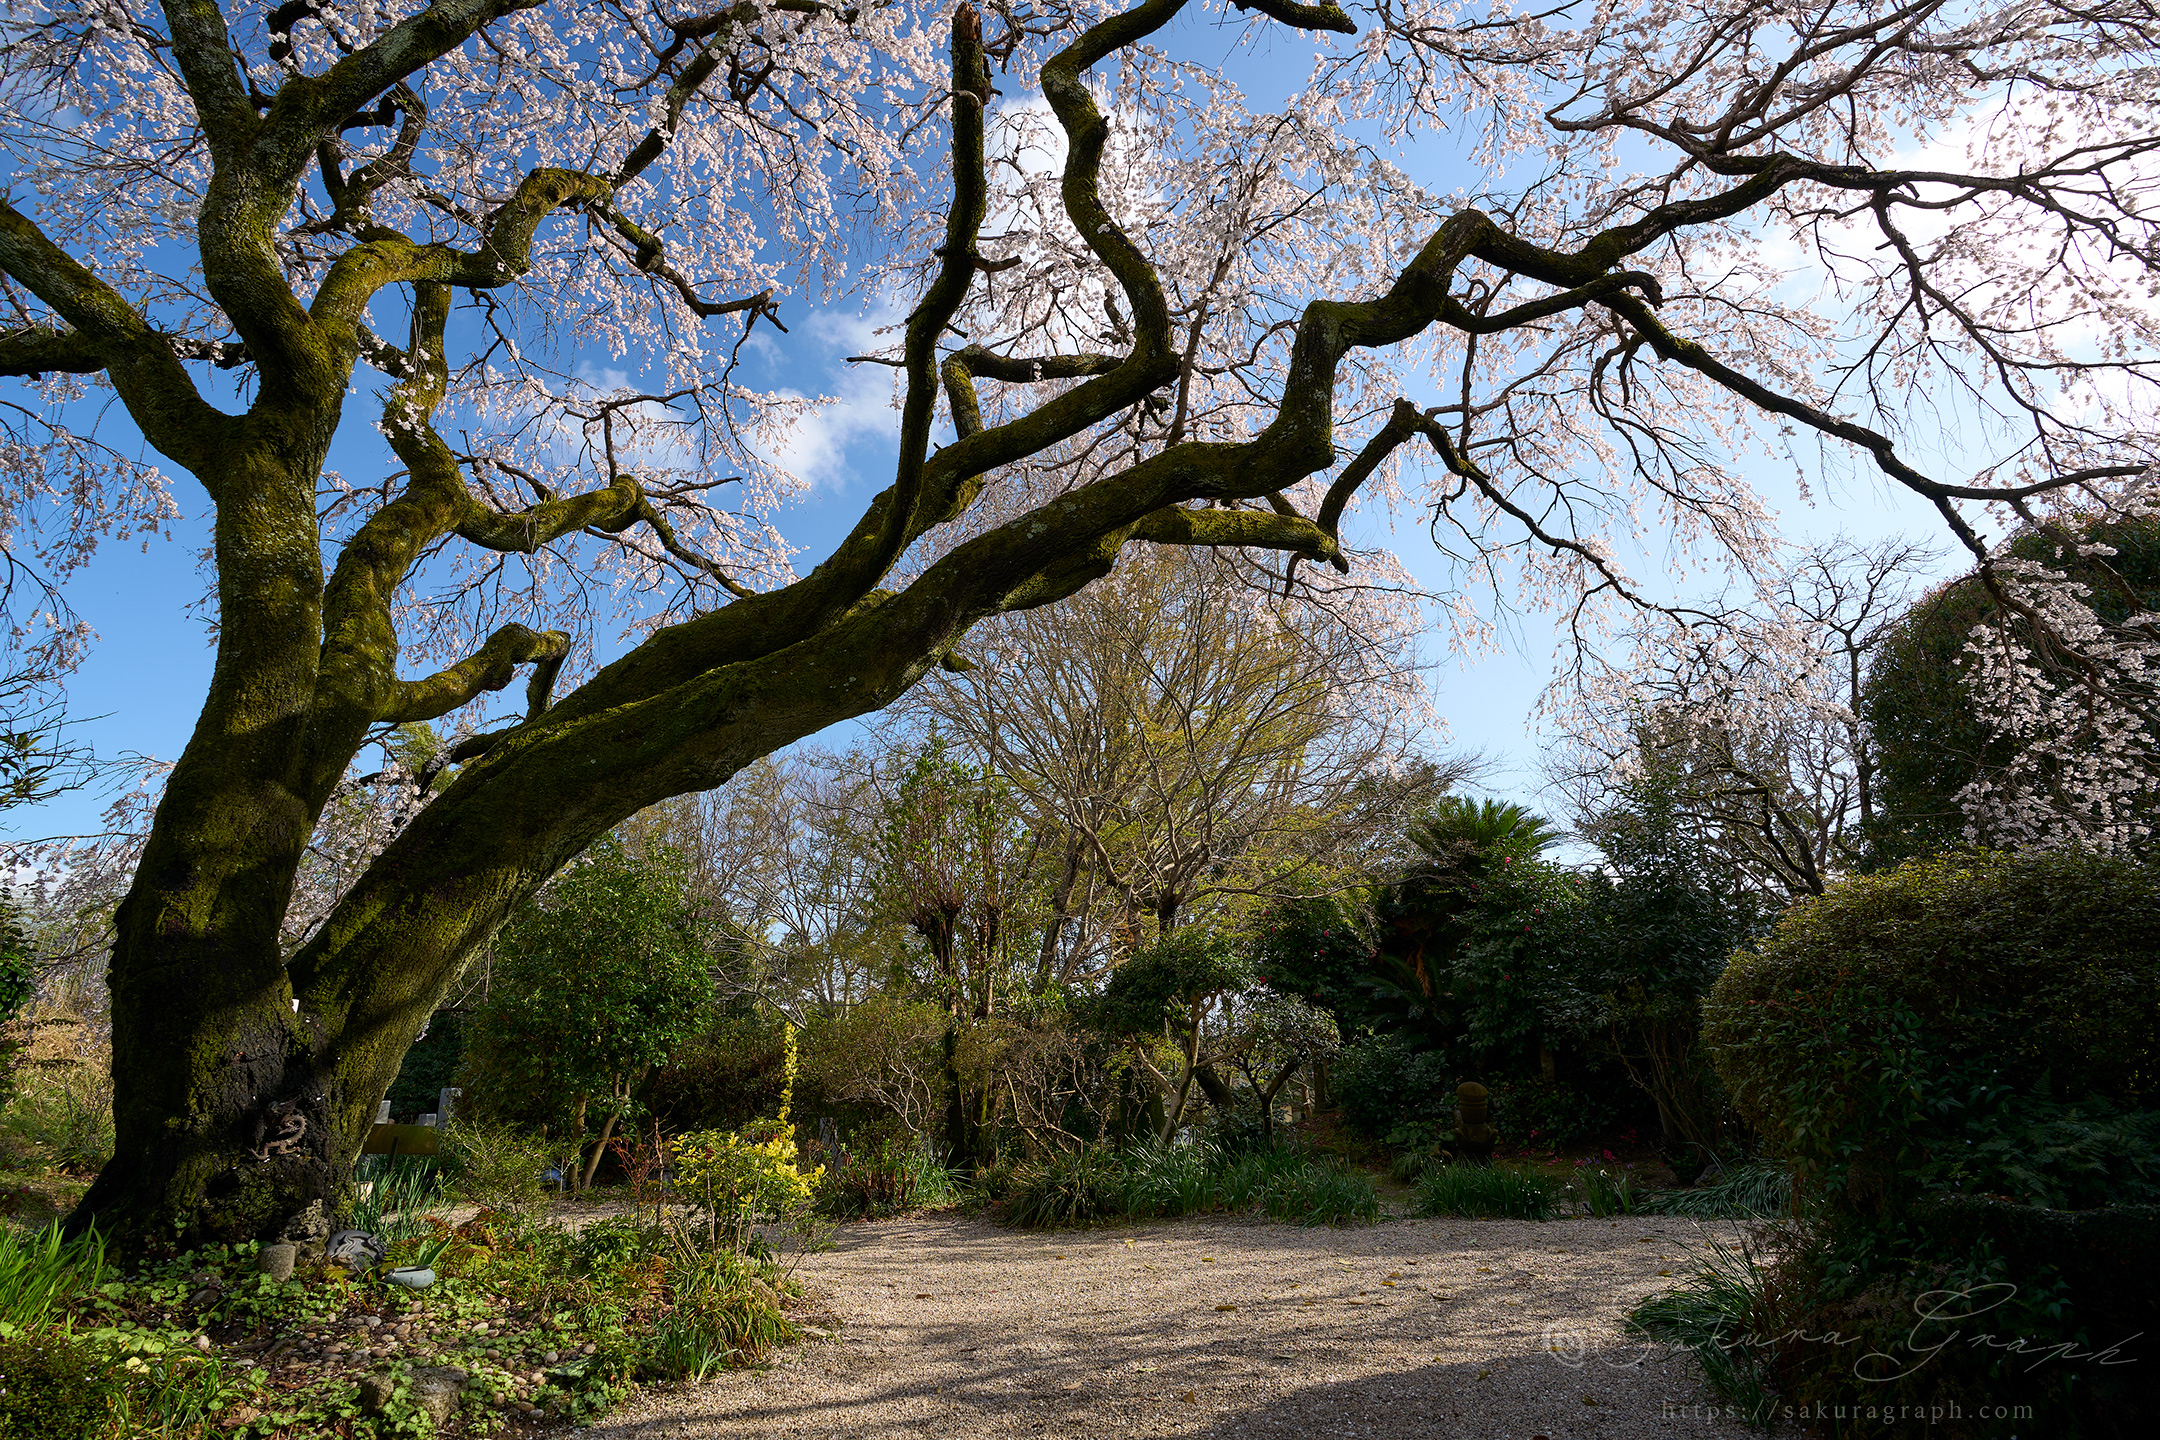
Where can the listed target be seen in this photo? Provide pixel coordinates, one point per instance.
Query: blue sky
(144, 679)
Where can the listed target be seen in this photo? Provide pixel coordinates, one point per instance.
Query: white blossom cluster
(2072, 699)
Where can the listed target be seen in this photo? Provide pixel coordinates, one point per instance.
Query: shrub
(1157, 1181)
(51, 1388)
(1384, 1084)
(1487, 1190)
(729, 1075)
(885, 1172)
(496, 1167)
(740, 1178)
(1885, 1025)
(1944, 1053)
(429, 1067)
(617, 1240)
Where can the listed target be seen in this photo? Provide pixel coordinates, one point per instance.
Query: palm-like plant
(1460, 843)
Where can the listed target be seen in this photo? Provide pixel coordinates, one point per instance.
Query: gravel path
(958, 1328)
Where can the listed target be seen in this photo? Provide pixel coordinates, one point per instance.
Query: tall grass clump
(1490, 1190)
(1163, 1181)
(1072, 1187)
(40, 1272)
(394, 1196)
(1601, 1192)
(1321, 1192)
(1748, 1192)
(1713, 1316)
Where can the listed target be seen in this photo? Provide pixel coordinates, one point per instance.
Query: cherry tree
(1748, 719)
(1692, 236)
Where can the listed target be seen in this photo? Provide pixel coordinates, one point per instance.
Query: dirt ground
(956, 1327)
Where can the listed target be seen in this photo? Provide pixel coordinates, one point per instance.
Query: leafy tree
(18, 984)
(1628, 965)
(1320, 949)
(1270, 1036)
(215, 208)
(1463, 882)
(1167, 1002)
(956, 867)
(1190, 746)
(594, 982)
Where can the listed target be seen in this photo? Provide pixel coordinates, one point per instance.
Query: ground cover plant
(540, 1322)
(518, 1320)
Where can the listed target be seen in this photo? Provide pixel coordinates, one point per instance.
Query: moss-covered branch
(492, 667)
(156, 387)
(42, 350)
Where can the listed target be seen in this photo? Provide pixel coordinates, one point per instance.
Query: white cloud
(847, 434)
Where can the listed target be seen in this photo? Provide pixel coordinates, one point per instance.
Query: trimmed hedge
(1960, 1058)
(1900, 1005)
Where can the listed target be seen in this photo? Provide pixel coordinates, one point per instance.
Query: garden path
(961, 1329)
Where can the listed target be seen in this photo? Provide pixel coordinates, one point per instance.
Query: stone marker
(1474, 1135)
(276, 1261)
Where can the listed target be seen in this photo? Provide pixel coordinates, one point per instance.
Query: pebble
(553, 1357)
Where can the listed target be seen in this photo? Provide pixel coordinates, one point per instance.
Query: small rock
(276, 1261)
(202, 1343)
(435, 1389)
(371, 1321)
(355, 1250)
(375, 1393)
(552, 1357)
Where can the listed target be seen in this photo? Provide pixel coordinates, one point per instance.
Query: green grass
(1095, 1184)
(40, 1273)
(1490, 1190)
(1748, 1192)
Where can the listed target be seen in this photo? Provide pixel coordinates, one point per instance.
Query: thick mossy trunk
(264, 1117)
